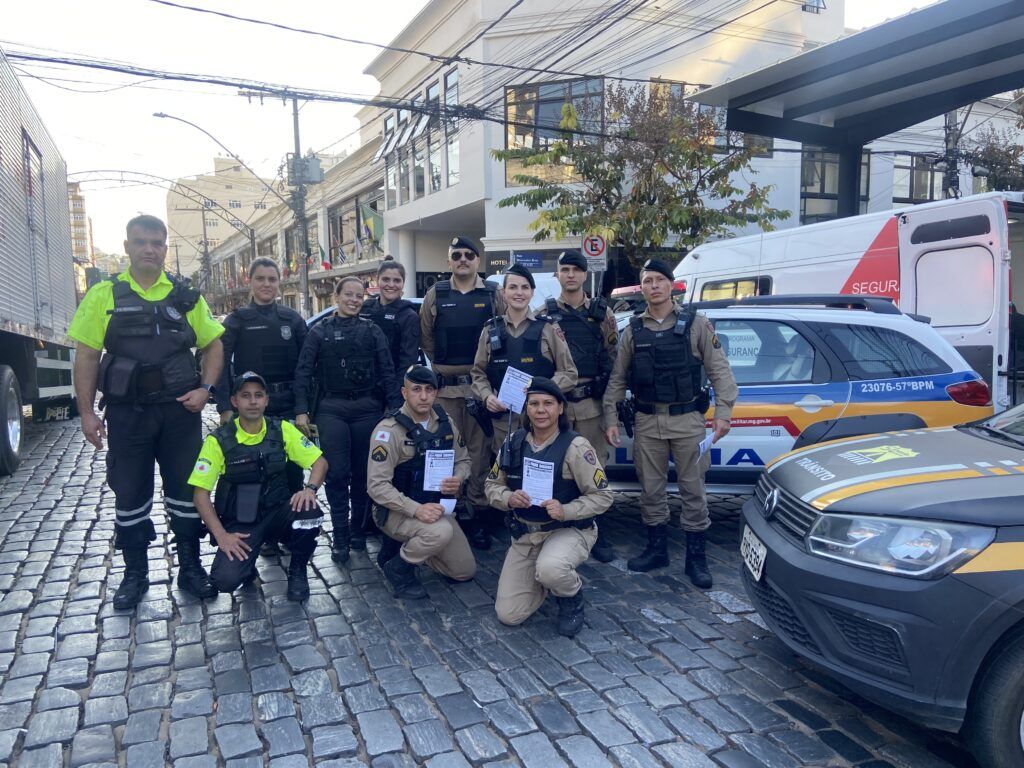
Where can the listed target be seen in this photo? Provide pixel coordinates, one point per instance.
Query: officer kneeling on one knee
(553, 536)
(246, 461)
(422, 520)
(662, 355)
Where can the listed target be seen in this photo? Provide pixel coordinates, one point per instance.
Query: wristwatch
(312, 487)
(212, 390)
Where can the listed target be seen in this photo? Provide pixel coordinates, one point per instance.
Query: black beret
(519, 269)
(573, 259)
(420, 374)
(245, 378)
(543, 386)
(461, 242)
(659, 266)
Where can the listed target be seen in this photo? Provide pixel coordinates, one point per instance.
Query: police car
(896, 561)
(817, 368)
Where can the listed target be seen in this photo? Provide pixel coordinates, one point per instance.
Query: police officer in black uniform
(397, 317)
(148, 322)
(265, 337)
(347, 358)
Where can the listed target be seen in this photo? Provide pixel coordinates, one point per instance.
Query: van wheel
(995, 722)
(11, 433)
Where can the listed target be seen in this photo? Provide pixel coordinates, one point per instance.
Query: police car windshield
(1010, 423)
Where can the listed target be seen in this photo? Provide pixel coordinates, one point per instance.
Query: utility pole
(206, 255)
(177, 261)
(299, 208)
(951, 176)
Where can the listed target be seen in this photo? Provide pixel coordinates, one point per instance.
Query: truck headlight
(921, 549)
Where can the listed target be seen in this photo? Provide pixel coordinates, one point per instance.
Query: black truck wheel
(11, 421)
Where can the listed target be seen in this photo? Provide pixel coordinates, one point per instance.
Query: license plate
(754, 553)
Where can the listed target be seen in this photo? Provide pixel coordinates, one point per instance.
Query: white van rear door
(954, 268)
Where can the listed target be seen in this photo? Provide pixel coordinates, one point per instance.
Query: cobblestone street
(661, 675)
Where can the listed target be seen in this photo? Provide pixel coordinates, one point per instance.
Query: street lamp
(297, 210)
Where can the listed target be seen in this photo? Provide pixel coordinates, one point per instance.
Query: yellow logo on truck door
(878, 454)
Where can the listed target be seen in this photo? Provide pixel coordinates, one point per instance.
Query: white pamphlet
(513, 389)
(437, 466)
(538, 479)
(704, 446)
(449, 506)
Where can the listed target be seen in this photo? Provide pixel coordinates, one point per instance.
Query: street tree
(1000, 151)
(646, 169)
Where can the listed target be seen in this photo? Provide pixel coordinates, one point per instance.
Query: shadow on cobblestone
(661, 675)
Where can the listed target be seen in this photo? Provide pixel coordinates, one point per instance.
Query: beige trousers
(536, 564)
(656, 435)
(441, 545)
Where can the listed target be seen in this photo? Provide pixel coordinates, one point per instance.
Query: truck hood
(941, 474)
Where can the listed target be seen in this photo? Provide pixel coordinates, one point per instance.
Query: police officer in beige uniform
(550, 537)
(395, 481)
(661, 358)
(590, 330)
(451, 317)
(518, 339)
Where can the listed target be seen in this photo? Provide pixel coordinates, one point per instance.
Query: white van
(949, 260)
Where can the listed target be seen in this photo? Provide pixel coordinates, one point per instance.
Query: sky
(104, 121)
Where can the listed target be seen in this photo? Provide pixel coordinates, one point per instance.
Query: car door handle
(813, 402)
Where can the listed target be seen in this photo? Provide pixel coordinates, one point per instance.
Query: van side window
(765, 352)
(736, 289)
(879, 353)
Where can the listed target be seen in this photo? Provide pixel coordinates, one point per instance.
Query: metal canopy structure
(845, 94)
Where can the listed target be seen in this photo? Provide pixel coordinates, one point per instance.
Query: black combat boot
(602, 550)
(388, 549)
(135, 581)
(402, 576)
(298, 579)
(341, 539)
(696, 560)
(192, 577)
(570, 614)
(656, 553)
(270, 549)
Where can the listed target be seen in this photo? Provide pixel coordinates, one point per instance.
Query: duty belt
(518, 527)
(580, 393)
(280, 386)
(350, 394)
(453, 381)
(672, 409)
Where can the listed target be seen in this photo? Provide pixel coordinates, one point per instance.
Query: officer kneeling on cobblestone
(246, 460)
(403, 509)
(550, 537)
(661, 358)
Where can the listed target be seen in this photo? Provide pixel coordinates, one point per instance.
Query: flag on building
(325, 263)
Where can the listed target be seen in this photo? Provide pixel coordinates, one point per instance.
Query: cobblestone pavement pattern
(661, 675)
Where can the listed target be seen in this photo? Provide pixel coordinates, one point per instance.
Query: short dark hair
(391, 264)
(146, 222)
(350, 279)
(263, 261)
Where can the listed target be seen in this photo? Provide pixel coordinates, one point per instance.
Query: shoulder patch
(379, 454)
(559, 332)
(599, 479)
(493, 474)
(305, 443)
(590, 457)
(715, 342)
(382, 436)
(613, 338)
(202, 466)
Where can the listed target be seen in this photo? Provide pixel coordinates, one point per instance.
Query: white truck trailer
(37, 289)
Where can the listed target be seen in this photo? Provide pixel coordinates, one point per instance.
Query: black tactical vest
(584, 335)
(385, 317)
(253, 474)
(347, 365)
(460, 318)
(408, 477)
(522, 352)
(664, 369)
(149, 345)
(561, 489)
(265, 343)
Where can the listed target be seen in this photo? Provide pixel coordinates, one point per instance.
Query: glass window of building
(342, 222)
(403, 176)
(451, 100)
(419, 167)
(914, 180)
(819, 184)
(370, 225)
(533, 114)
(391, 182)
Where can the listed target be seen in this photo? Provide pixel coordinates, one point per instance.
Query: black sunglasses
(461, 255)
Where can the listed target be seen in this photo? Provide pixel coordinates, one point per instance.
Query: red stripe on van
(878, 271)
